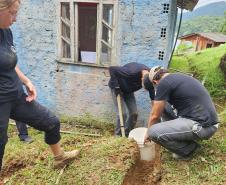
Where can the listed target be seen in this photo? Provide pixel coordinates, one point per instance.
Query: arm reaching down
(155, 115)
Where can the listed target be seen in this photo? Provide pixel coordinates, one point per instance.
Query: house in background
(202, 41)
(66, 46)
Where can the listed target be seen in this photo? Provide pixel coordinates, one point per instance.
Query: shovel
(121, 115)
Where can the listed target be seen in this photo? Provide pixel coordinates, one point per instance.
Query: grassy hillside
(208, 166)
(205, 66)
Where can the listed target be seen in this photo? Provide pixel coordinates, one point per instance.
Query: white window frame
(74, 31)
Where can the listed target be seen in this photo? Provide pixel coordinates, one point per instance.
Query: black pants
(34, 114)
(22, 129)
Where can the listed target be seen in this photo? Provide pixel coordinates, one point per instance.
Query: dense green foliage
(223, 28)
(204, 65)
(202, 24)
(212, 9)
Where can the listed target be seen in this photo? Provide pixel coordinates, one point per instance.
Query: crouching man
(197, 117)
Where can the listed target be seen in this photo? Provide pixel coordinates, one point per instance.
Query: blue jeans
(129, 110)
(22, 129)
(169, 113)
(179, 135)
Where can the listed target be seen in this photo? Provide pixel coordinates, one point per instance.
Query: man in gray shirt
(196, 114)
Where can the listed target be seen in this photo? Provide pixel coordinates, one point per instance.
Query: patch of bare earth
(141, 173)
(145, 172)
(13, 166)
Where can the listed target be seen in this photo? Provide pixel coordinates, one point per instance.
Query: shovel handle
(121, 115)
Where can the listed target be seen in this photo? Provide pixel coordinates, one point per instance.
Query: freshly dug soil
(145, 172)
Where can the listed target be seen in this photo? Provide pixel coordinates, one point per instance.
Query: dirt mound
(145, 172)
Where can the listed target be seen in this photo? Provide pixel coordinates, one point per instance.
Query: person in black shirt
(196, 115)
(125, 80)
(17, 105)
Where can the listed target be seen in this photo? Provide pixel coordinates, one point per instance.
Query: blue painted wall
(35, 40)
(70, 89)
(139, 38)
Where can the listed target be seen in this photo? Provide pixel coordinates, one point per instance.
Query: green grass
(180, 63)
(205, 67)
(104, 160)
(208, 166)
(89, 121)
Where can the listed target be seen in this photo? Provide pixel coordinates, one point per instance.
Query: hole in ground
(145, 172)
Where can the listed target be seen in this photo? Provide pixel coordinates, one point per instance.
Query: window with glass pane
(105, 56)
(107, 28)
(66, 49)
(107, 14)
(87, 31)
(65, 30)
(106, 34)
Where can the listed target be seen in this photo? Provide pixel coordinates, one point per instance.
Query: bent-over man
(125, 80)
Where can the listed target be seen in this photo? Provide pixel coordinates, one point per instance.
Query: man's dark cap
(149, 86)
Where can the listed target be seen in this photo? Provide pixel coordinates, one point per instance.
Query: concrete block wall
(140, 24)
(70, 89)
(139, 38)
(83, 89)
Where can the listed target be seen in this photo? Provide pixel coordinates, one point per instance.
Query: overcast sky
(205, 2)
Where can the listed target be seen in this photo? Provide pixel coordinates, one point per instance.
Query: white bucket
(147, 151)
